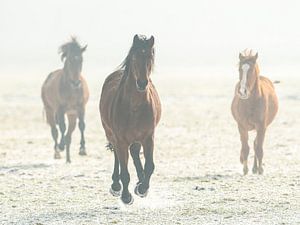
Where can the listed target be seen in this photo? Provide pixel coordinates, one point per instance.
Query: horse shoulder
(50, 89)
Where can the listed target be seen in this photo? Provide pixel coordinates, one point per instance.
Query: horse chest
(250, 114)
(71, 101)
(134, 122)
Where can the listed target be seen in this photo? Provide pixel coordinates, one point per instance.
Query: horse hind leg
(135, 154)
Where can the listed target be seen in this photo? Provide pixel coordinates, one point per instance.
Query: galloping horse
(130, 109)
(254, 107)
(65, 91)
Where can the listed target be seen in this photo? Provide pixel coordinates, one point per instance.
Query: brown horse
(254, 107)
(65, 91)
(130, 109)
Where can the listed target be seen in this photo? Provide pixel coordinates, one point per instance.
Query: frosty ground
(197, 179)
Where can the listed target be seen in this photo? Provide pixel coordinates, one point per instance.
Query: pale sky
(188, 34)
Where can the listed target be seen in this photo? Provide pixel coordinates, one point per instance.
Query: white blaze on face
(243, 82)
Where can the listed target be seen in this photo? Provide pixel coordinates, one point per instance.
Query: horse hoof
(57, 155)
(115, 193)
(82, 152)
(68, 161)
(254, 170)
(128, 200)
(138, 193)
(245, 170)
(260, 170)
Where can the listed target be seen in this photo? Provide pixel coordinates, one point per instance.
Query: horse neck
(256, 88)
(129, 92)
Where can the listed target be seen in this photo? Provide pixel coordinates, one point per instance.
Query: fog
(203, 36)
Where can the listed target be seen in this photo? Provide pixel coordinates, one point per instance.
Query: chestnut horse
(130, 109)
(254, 107)
(65, 91)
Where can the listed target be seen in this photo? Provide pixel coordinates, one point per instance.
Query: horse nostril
(76, 83)
(142, 84)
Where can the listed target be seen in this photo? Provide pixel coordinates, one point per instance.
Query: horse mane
(71, 46)
(142, 44)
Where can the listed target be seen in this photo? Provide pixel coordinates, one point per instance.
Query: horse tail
(110, 147)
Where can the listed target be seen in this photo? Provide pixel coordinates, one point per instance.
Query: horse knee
(81, 125)
(149, 167)
(62, 127)
(244, 153)
(54, 132)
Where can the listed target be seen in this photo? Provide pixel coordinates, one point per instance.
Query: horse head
(71, 54)
(140, 60)
(248, 74)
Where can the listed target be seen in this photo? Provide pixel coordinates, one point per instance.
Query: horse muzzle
(76, 83)
(244, 94)
(141, 85)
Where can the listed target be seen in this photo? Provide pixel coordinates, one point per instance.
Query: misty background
(202, 37)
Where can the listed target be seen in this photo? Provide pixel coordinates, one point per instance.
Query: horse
(254, 107)
(65, 91)
(130, 110)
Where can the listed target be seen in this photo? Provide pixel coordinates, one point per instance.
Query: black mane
(141, 44)
(72, 47)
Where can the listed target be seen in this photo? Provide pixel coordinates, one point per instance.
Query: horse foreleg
(115, 188)
(62, 128)
(54, 132)
(122, 153)
(81, 126)
(254, 168)
(135, 154)
(142, 188)
(245, 148)
(260, 137)
(71, 127)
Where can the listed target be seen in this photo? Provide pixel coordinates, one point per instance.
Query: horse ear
(151, 41)
(63, 56)
(84, 48)
(256, 56)
(241, 57)
(135, 39)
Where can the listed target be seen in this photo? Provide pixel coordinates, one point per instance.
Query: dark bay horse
(254, 107)
(65, 91)
(130, 109)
